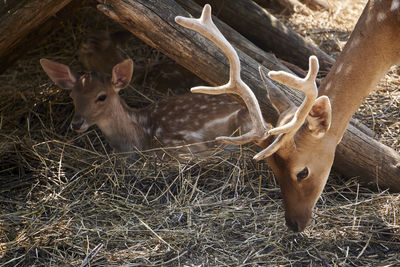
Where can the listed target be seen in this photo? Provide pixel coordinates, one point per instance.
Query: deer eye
(101, 98)
(302, 174)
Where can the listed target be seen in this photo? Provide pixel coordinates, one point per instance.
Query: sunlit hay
(67, 199)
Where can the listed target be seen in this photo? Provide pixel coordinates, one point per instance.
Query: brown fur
(373, 47)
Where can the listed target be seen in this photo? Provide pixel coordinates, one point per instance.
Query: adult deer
(300, 149)
(185, 120)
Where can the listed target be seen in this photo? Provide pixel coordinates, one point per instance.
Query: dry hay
(66, 200)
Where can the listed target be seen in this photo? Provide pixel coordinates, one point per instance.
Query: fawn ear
(122, 74)
(59, 73)
(319, 117)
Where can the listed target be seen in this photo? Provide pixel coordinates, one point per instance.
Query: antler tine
(205, 26)
(306, 85)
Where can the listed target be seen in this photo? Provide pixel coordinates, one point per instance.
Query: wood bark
(267, 32)
(268, 60)
(294, 6)
(317, 4)
(312, 4)
(20, 21)
(153, 22)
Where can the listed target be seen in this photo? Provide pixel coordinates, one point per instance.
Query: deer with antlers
(300, 149)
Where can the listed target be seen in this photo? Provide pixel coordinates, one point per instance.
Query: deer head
(301, 172)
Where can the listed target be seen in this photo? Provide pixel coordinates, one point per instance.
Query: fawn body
(175, 121)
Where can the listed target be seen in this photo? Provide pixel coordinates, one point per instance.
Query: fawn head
(95, 95)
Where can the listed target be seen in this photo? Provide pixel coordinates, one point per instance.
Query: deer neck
(125, 128)
(367, 56)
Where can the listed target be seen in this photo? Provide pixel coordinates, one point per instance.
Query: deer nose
(292, 225)
(295, 224)
(77, 123)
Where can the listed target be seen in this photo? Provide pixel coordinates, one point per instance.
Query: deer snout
(297, 223)
(79, 124)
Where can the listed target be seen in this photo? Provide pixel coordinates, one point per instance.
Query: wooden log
(317, 4)
(294, 6)
(359, 155)
(268, 60)
(20, 21)
(153, 22)
(267, 32)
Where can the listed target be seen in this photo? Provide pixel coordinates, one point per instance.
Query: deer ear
(122, 74)
(319, 117)
(59, 73)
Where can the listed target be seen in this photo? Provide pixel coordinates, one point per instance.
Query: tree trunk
(19, 25)
(153, 22)
(267, 32)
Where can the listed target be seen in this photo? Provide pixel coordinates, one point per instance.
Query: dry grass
(66, 200)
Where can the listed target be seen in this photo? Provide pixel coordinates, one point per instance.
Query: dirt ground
(67, 200)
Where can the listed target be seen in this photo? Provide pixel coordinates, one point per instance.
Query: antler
(309, 88)
(205, 26)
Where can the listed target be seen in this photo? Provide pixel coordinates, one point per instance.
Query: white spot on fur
(191, 136)
(369, 17)
(339, 68)
(203, 107)
(381, 16)
(222, 120)
(158, 131)
(395, 5)
(328, 86)
(353, 43)
(348, 69)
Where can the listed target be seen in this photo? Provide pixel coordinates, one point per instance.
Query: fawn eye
(302, 174)
(101, 98)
